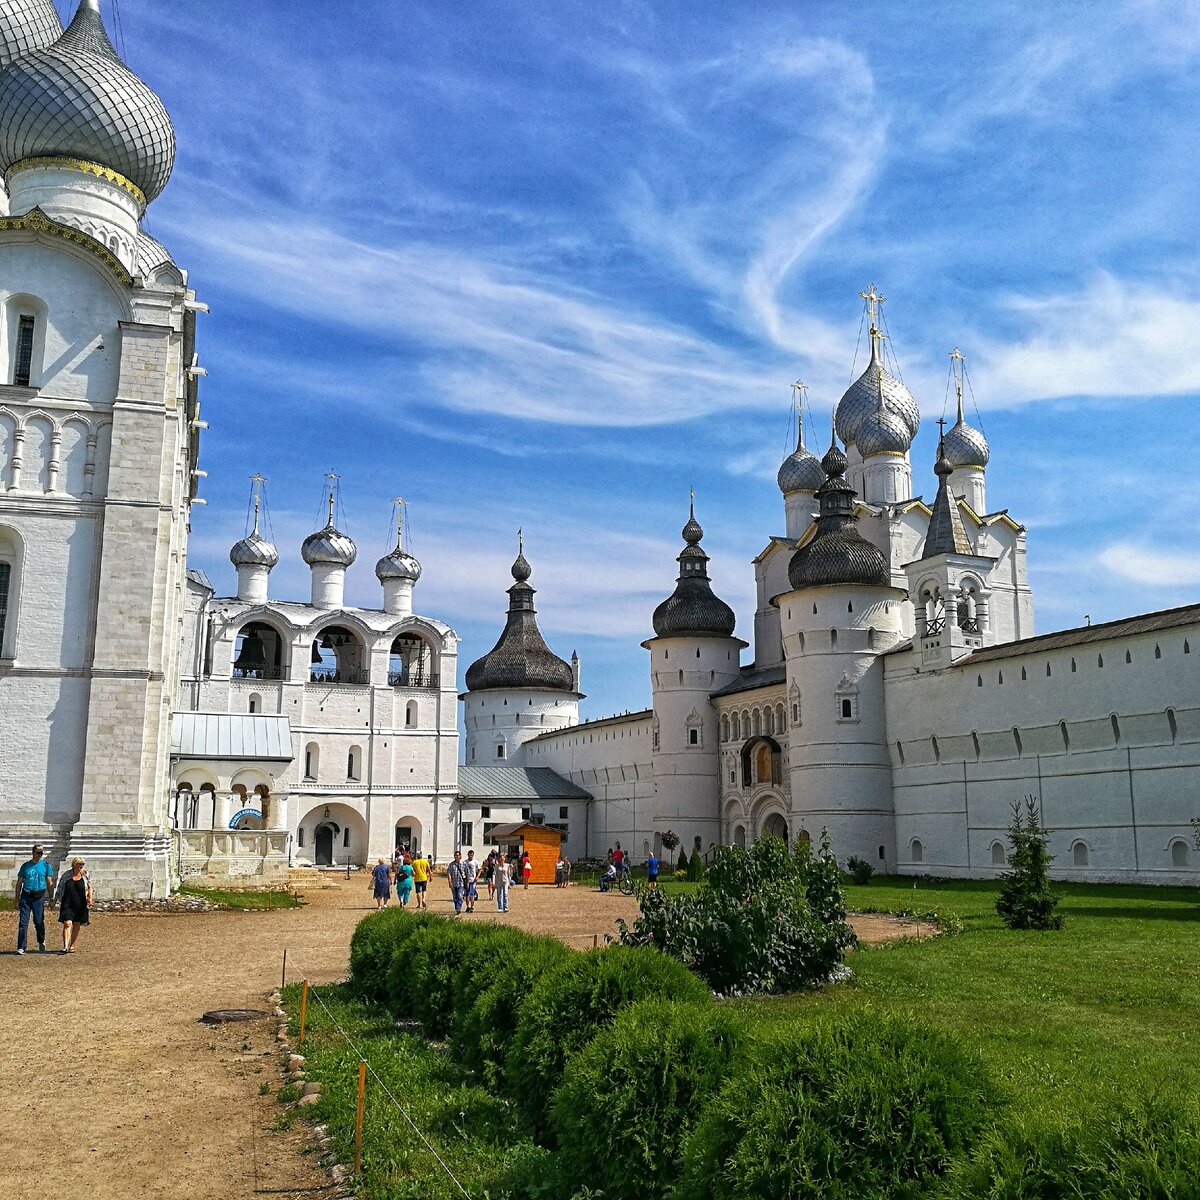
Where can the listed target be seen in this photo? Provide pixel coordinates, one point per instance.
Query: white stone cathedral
(897, 696)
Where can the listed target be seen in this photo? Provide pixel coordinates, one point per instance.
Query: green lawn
(1109, 1004)
(267, 899)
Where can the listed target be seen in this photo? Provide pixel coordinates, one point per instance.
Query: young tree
(1025, 900)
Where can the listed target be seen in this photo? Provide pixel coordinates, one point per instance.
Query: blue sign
(245, 812)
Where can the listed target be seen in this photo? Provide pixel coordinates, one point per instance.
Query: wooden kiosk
(543, 843)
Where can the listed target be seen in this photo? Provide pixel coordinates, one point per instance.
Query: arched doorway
(408, 835)
(775, 826)
(323, 839)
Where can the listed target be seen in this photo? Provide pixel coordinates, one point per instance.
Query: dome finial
(692, 531)
(957, 358)
(256, 482)
(874, 300)
(800, 471)
(521, 570)
(254, 550)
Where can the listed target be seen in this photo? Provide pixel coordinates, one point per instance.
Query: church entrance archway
(408, 835)
(323, 845)
(775, 826)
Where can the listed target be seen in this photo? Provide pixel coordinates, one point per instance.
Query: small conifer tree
(695, 868)
(1025, 900)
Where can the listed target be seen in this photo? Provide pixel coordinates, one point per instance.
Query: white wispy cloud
(1152, 567)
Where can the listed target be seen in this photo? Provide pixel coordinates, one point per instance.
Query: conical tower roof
(693, 609)
(946, 534)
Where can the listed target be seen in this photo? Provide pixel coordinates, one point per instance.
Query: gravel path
(103, 1046)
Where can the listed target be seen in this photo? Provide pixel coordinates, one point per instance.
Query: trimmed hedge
(871, 1107)
(490, 995)
(631, 1094)
(1150, 1151)
(568, 1006)
(375, 939)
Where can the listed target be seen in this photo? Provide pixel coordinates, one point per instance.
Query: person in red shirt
(526, 869)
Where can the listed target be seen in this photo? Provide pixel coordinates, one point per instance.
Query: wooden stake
(303, 1008)
(595, 941)
(283, 977)
(358, 1116)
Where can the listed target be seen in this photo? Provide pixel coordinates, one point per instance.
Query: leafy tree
(860, 870)
(670, 840)
(1025, 900)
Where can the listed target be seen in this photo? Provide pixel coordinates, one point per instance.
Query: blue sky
(551, 264)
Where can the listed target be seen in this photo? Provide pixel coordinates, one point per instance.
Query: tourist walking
(501, 877)
(526, 870)
(404, 882)
(75, 898)
(652, 870)
(471, 871)
(420, 869)
(458, 881)
(560, 872)
(34, 879)
(381, 878)
(489, 874)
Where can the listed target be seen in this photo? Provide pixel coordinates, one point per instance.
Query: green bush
(440, 954)
(489, 994)
(860, 870)
(1148, 1151)
(680, 875)
(872, 1107)
(695, 868)
(566, 1007)
(375, 940)
(630, 1095)
(1025, 900)
(409, 974)
(764, 919)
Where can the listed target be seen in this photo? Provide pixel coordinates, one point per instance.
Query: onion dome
(964, 446)
(27, 25)
(254, 551)
(77, 99)
(883, 432)
(837, 554)
(330, 546)
(692, 609)
(398, 564)
(800, 471)
(521, 658)
(946, 534)
(876, 388)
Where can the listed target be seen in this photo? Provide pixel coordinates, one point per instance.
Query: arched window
(999, 858)
(1079, 855)
(338, 656)
(724, 727)
(254, 704)
(410, 715)
(500, 750)
(917, 851)
(312, 755)
(24, 341)
(354, 764)
(411, 662)
(1179, 853)
(257, 652)
(5, 589)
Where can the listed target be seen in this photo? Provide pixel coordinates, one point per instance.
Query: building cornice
(36, 221)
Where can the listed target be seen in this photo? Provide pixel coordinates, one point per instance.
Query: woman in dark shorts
(75, 898)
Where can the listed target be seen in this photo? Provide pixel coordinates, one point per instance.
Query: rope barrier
(362, 1058)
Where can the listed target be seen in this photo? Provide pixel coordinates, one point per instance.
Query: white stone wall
(499, 722)
(1111, 753)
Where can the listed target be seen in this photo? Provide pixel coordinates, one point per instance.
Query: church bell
(253, 655)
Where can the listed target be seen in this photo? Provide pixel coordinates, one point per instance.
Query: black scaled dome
(692, 610)
(837, 553)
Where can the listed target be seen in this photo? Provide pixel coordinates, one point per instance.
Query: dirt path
(106, 1042)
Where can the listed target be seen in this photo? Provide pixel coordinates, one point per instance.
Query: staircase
(301, 878)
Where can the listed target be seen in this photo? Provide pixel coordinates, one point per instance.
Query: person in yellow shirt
(420, 869)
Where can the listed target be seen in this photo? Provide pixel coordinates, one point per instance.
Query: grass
(246, 901)
(474, 1132)
(1108, 1005)
(7, 904)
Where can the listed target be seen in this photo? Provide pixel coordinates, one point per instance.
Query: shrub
(485, 1017)
(695, 868)
(680, 875)
(566, 1007)
(765, 919)
(1147, 1151)
(1025, 900)
(630, 1095)
(875, 1106)
(412, 973)
(860, 870)
(375, 940)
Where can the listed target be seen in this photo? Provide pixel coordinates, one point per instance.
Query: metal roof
(516, 783)
(231, 735)
(751, 678)
(1168, 618)
(499, 832)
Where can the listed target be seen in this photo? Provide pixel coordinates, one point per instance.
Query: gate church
(897, 694)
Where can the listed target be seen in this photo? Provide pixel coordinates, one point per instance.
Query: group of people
(620, 863)
(409, 873)
(35, 882)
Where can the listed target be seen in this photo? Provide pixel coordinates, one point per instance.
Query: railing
(355, 675)
(412, 679)
(970, 625)
(934, 627)
(258, 673)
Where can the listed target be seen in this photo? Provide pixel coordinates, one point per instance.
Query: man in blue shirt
(652, 871)
(34, 880)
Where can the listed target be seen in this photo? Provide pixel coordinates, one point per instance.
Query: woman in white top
(501, 877)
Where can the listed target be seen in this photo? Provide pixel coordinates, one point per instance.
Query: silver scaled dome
(398, 564)
(329, 545)
(864, 396)
(883, 432)
(964, 446)
(27, 25)
(77, 99)
(254, 551)
(800, 471)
